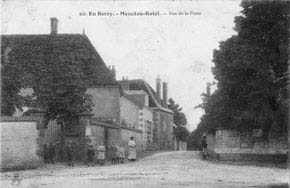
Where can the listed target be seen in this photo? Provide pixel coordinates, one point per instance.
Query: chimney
(165, 97)
(53, 26)
(158, 87)
(114, 72)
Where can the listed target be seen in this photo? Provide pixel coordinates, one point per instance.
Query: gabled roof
(140, 84)
(30, 50)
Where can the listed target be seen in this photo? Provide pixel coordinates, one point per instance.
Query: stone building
(118, 112)
(145, 114)
(162, 116)
(103, 124)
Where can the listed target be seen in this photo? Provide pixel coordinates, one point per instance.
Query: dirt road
(165, 170)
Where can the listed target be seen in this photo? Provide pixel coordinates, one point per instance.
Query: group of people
(115, 153)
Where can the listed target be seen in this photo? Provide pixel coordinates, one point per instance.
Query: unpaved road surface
(165, 170)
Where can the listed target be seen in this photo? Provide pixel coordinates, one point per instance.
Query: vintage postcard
(145, 93)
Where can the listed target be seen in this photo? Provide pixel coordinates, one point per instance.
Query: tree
(10, 86)
(179, 119)
(251, 69)
(57, 73)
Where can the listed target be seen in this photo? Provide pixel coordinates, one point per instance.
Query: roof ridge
(61, 34)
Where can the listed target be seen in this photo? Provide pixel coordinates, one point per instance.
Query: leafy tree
(179, 119)
(10, 86)
(59, 73)
(252, 72)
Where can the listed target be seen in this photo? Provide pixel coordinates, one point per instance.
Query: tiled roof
(140, 84)
(33, 49)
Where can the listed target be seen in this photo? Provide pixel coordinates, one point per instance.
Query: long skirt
(132, 153)
(101, 155)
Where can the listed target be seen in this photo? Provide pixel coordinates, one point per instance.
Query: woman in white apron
(132, 149)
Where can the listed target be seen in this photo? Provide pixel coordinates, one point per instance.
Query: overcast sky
(178, 48)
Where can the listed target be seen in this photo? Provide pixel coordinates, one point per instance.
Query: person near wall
(51, 151)
(46, 152)
(101, 153)
(121, 154)
(70, 153)
(132, 149)
(204, 147)
(112, 153)
(90, 155)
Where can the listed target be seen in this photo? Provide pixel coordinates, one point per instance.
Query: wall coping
(132, 129)
(22, 118)
(95, 122)
(249, 151)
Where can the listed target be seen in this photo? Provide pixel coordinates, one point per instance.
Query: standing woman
(132, 149)
(101, 153)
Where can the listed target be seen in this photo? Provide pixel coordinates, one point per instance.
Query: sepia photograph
(145, 93)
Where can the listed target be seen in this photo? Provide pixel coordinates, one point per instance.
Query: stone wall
(232, 145)
(129, 113)
(21, 142)
(106, 102)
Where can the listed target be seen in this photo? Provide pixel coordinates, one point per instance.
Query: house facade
(160, 130)
(145, 114)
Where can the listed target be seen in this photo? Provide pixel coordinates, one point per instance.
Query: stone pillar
(84, 137)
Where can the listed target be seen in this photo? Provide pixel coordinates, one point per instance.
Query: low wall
(21, 142)
(235, 146)
(126, 133)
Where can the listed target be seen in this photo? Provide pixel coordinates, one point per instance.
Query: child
(90, 156)
(121, 154)
(113, 153)
(101, 153)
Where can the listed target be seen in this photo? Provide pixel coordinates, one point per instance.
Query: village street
(166, 169)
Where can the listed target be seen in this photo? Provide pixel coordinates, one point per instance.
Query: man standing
(90, 156)
(51, 152)
(112, 153)
(46, 153)
(70, 153)
(204, 147)
(132, 149)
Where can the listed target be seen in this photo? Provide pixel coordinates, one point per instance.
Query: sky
(178, 48)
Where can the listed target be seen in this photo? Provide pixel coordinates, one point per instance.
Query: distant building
(162, 116)
(145, 114)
